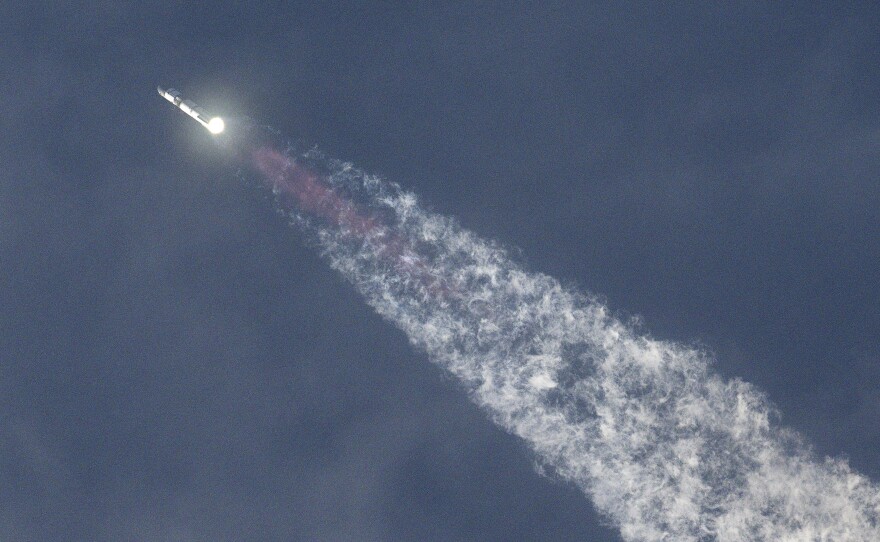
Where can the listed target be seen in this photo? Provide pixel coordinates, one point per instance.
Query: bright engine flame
(216, 125)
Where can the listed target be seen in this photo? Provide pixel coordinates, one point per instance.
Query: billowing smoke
(665, 448)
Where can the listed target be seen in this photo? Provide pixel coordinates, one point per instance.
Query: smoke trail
(666, 449)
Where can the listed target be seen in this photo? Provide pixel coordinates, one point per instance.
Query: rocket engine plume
(665, 448)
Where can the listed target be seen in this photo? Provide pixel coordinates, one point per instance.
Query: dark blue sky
(176, 365)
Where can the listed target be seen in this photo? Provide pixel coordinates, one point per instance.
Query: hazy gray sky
(175, 364)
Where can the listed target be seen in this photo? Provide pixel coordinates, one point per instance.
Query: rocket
(214, 125)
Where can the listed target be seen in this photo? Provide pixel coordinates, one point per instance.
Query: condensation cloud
(665, 448)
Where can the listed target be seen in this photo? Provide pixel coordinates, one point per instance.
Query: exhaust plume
(665, 448)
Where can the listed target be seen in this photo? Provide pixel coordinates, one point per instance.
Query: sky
(176, 363)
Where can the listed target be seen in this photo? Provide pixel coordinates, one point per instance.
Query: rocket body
(214, 125)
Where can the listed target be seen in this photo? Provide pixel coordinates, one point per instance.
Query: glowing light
(216, 125)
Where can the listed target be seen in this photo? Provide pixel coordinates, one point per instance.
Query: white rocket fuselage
(213, 125)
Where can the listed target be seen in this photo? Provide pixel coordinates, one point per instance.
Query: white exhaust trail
(665, 448)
